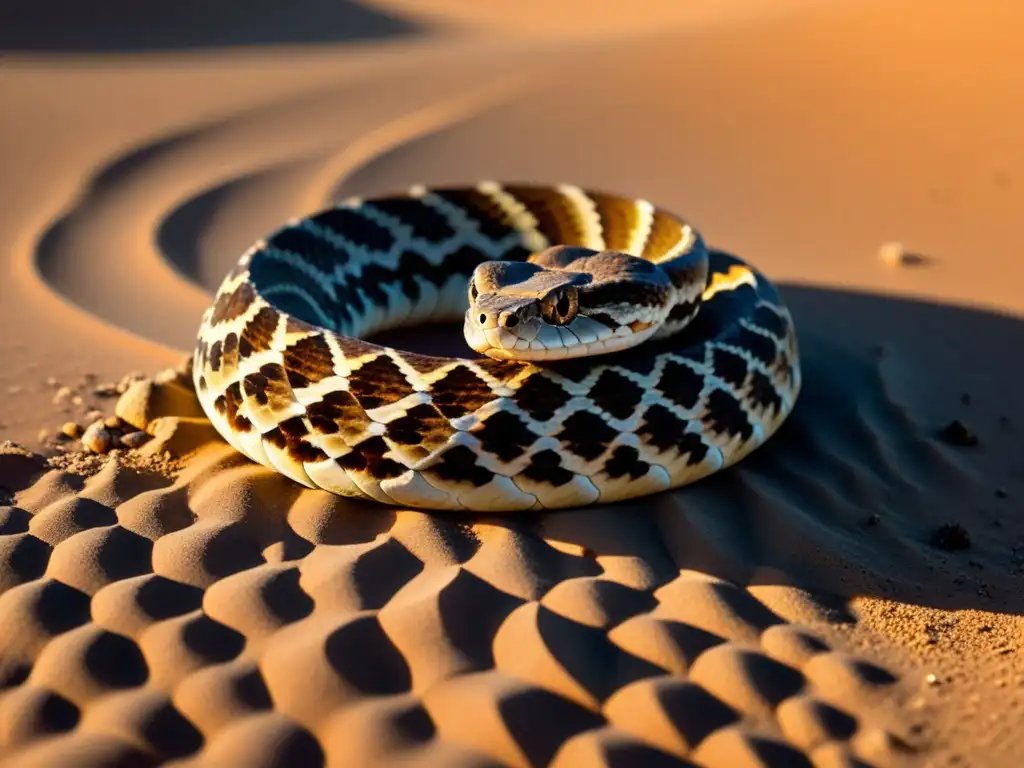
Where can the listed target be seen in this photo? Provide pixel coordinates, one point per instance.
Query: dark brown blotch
(422, 425)
(500, 370)
(660, 427)
(259, 332)
(308, 361)
(293, 445)
(763, 393)
(368, 456)
(229, 355)
(625, 460)
(379, 382)
(352, 347)
(459, 392)
(725, 416)
(681, 384)
(586, 434)
(615, 394)
(505, 435)
(458, 465)
(730, 367)
(232, 405)
(540, 396)
(268, 386)
(215, 355)
(546, 467)
(336, 412)
(424, 363)
(230, 306)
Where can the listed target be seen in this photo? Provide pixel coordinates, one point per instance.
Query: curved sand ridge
(229, 616)
(176, 212)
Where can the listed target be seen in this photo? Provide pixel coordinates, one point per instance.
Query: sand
(849, 595)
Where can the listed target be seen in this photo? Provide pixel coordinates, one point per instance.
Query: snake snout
(502, 319)
(508, 319)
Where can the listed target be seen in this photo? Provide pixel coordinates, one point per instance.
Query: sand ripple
(230, 615)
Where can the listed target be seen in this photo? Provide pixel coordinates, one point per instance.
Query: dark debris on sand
(951, 537)
(956, 433)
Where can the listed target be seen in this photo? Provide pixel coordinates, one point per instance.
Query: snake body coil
(643, 373)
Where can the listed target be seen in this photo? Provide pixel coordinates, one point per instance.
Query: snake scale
(622, 356)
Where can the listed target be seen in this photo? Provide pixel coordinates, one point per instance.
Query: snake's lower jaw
(475, 337)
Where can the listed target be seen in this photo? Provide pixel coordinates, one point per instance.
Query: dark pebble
(951, 537)
(956, 433)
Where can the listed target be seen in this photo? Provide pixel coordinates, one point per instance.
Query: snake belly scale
(640, 386)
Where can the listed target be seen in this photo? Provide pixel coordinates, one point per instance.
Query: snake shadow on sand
(848, 496)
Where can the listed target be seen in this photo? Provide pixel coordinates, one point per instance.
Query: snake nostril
(510, 321)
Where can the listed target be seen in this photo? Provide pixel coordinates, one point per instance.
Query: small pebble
(891, 254)
(135, 439)
(14, 390)
(127, 381)
(956, 433)
(72, 430)
(951, 537)
(64, 393)
(894, 254)
(105, 390)
(44, 435)
(113, 422)
(97, 439)
(932, 679)
(167, 376)
(77, 400)
(52, 382)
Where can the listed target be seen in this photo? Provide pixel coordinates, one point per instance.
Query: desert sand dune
(847, 595)
(58, 26)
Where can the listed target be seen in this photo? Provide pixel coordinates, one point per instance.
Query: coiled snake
(605, 376)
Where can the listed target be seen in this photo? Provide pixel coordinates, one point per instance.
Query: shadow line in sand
(275, 620)
(122, 26)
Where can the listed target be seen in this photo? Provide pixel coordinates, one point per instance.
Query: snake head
(565, 302)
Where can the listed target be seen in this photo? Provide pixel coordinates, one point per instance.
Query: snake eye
(560, 307)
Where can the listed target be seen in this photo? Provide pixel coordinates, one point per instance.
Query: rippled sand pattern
(229, 617)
